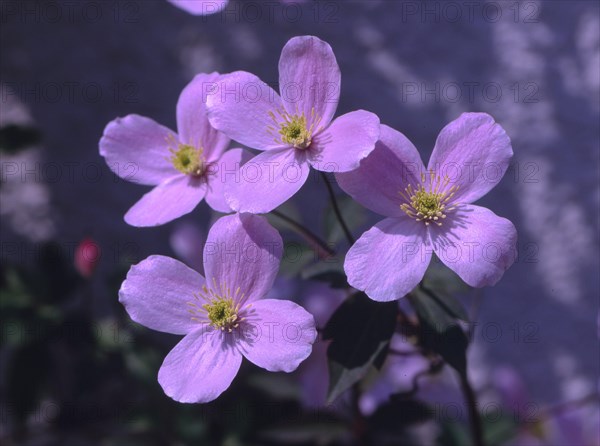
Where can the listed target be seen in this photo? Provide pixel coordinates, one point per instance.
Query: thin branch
(475, 419)
(323, 251)
(337, 211)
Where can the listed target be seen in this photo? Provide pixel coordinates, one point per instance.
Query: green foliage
(360, 331)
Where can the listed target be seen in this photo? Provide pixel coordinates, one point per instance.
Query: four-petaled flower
(222, 316)
(294, 130)
(429, 209)
(184, 167)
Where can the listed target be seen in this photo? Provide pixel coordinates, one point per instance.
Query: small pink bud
(87, 255)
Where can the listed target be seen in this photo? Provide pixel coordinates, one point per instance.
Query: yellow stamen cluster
(187, 159)
(430, 201)
(221, 307)
(294, 129)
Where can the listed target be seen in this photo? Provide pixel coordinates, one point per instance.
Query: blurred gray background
(533, 65)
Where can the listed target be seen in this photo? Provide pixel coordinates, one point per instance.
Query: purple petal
(192, 117)
(267, 181)
(388, 260)
(137, 149)
(200, 7)
(314, 376)
(474, 152)
(342, 145)
(390, 168)
(226, 168)
(156, 292)
(309, 79)
(200, 367)
(241, 106)
(476, 244)
(187, 241)
(243, 251)
(167, 201)
(277, 334)
(321, 301)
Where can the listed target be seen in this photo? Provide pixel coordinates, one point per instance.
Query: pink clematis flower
(294, 130)
(222, 316)
(200, 7)
(430, 209)
(184, 167)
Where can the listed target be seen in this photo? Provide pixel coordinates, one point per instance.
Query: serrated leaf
(360, 331)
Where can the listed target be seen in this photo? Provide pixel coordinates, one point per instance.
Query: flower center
(430, 201)
(188, 160)
(293, 130)
(221, 308)
(222, 313)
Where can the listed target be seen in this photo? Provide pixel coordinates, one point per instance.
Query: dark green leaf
(400, 412)
(360, 331)
(17, 137)
(27, 373)
(440, 332)
(330, 272)
(449, 304)
(353, 214)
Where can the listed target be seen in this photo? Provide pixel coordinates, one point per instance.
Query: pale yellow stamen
(186, 158)
(430, 201)
(221, 307)
(293, 129)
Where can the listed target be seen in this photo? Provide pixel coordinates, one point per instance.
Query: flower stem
(321, 248)
(475, 419)
(337, 211)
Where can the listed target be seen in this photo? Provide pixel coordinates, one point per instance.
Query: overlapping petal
(476, 244)
(277, 335)
(389, 260)
(220, 172)
(348, 140)
(156, 291)
(241, 106)
(167, 201)
(243, 250)
(309, 79)
(200, 367)
(389, 169)
(137, 149)
(192, 117)
(267, 181)
(474, 152)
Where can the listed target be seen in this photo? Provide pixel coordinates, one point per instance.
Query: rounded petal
(309, 79)
(243, 251)
(241, 106)
(476, 244)
(220, 172)
(389, 260)
(348, 140)
(200, 367)
(137, 149)
(390, 168)
(156, 293)
(474, 152)
(267, 181)
(167, 201)
(200, 7)
(192, 117)
(277, 335)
